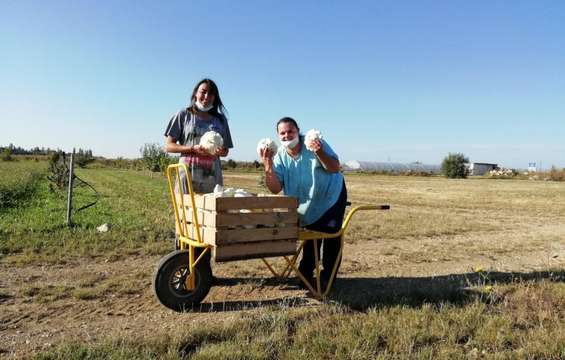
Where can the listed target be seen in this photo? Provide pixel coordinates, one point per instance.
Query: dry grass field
(456, 269)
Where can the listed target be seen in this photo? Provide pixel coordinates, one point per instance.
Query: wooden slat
(256, 202)
(220, 237)
(244, 251)
(209, 202)
(252, 218)
(222, 220)
(255, 235)
(205, 217)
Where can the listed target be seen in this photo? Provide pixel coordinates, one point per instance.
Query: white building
(477, 168)
(355, 165)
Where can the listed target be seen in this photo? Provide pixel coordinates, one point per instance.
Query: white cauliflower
(242, 193)
(266, 143)
(312, 135)
(228, 192)
(220, 191)
(211, 141)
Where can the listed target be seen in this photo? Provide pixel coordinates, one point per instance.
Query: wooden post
(70, 190)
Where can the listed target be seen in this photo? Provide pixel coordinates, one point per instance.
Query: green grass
(19, 182)
(47, 294)
(133, 203)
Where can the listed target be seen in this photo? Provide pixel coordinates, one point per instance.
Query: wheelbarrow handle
(358, 208)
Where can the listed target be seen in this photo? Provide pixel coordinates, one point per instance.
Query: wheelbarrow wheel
(170, 281)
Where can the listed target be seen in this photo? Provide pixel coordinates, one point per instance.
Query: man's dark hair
(290, 120)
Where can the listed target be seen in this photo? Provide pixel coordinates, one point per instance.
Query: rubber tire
(172, 267)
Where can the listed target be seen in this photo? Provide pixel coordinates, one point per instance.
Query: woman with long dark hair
(206, 112)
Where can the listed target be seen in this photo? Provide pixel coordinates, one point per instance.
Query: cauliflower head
(266, 143)
(312, 135)
(211, 141)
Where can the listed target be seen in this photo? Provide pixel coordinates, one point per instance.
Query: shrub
(83, 158)
(58, 170)
(6, 154)
(556, 175)
(11, 195)
(231, 164)
(155, 158)
(453, 166)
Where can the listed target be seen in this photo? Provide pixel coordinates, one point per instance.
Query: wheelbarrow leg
(190, 283)
(334, 269)
(285, 273)
(294, 258)
(318, 272)
(302, 278)
(279, 276)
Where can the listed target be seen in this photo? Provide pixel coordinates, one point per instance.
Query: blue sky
(394, 81)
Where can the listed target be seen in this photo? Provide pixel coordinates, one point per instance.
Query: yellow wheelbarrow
(183, 278)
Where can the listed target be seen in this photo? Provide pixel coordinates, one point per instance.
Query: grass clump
(101, 287)
(556, 175)
(17, 188)
(112, 349)
(47, 294)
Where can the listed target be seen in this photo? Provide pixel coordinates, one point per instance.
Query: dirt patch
(45, 305)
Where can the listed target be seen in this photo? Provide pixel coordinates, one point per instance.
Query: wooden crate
(244, 227)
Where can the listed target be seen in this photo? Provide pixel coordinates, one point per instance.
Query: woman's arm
(172, 147)
(329, 163)
(271, 179)
(226, 135)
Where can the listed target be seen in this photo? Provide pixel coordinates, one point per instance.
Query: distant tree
(453, 166)
(18, 150)
(6, 154)
(155, 158)
(231, 164)
(556, 175)
(83, 158)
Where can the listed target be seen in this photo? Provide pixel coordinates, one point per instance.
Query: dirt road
(88, 300)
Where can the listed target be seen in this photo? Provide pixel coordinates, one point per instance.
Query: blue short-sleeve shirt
(305, 178)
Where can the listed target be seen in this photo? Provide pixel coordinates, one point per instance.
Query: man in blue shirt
(313, 177)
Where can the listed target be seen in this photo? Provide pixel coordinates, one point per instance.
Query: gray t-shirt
(187, 129)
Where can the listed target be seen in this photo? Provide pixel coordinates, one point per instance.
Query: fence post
(70, 190)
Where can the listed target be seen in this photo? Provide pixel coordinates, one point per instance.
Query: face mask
(201, 107)
(289, 144)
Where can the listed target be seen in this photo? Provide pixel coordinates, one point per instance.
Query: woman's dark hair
(218, 108)
(290, 120)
